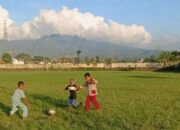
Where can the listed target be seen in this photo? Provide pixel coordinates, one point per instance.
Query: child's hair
(72, 81)
(87, 75)
(20, 82)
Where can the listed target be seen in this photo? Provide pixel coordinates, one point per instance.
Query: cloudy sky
(147, 24)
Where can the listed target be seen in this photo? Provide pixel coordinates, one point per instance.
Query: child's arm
(24, 98)
(94, 81)
(26, 101)
(78, 87)
(66, 88)
(83, 86)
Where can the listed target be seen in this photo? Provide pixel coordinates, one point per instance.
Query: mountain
(57, 45)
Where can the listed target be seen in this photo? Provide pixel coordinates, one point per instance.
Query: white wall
(65, 65)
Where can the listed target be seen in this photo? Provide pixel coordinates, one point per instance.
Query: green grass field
(129, 101)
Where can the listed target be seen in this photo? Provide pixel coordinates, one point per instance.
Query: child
(92, 92)
(72, 87)
(16, 100)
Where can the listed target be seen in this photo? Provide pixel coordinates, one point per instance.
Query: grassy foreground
(129, 101)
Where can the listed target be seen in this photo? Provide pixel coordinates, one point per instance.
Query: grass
(129, 101)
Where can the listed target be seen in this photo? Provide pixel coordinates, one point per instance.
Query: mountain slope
(56, 46)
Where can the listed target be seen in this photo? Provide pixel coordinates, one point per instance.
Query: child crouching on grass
(92, 92)
(72, 88)
(16, 100)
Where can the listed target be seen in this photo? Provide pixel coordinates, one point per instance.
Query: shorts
(72, 102)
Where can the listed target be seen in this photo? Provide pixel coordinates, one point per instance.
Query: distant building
(17, 62)
(41, 63)
(141, 60)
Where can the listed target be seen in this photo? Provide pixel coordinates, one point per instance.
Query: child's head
(72, 81)
(87, 76)
(21, 85)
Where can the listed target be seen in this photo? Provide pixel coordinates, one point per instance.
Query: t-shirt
(17, 96)
(72, 91)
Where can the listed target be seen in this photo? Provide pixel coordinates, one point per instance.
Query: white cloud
(75, 23)
(4, 15)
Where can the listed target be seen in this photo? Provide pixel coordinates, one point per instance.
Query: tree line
(166, 57)
(28, 59)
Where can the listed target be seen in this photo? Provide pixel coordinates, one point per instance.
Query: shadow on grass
(147, 77)
(6, 109)
(56, 103)
(174, 68)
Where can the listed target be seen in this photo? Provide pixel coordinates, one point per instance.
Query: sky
(159, 18)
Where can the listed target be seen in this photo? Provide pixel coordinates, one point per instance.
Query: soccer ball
(51, 112)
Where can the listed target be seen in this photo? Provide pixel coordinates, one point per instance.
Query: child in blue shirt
(16, 100)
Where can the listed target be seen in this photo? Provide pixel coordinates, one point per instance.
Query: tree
(92, 60)
(168, 58)
(40, 58)
(97, 59)
(151, 59)
(77, 59)
(176, 56)
(86, 60)
(7, 58)
(66, 60)
(78, 53)
(23, 56)
(108, 61)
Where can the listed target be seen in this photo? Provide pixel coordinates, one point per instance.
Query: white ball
(51, 112)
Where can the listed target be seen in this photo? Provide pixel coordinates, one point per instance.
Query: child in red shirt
(92, 92)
